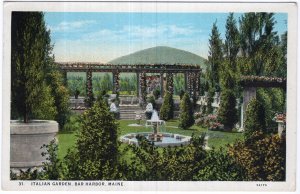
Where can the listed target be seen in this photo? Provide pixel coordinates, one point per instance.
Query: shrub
(227, 113)
(167, 108)
(95, 156)
(181, 94)
(186, 118)
(156, 93)
(52, 167)
(219, 166)
(76, 93)
(255, 118)
(262, 157)
(215, 126)
(151, 100)
(73, 123)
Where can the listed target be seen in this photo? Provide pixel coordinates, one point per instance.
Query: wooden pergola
(191, 74)
(250, 83)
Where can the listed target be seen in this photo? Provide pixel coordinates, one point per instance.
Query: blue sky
(101, 37)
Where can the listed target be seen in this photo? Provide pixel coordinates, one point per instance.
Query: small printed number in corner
(20, 183)
(261, 185)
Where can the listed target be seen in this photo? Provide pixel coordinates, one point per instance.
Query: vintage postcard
(159, 96)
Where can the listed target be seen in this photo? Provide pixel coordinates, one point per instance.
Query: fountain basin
(168, 139)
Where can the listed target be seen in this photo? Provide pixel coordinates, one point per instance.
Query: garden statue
(149, 110)
(113, 109)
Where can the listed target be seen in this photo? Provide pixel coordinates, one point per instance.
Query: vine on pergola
(143, 88)
(170, 83)
(262, 81)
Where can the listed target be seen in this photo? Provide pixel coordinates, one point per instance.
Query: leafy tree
(282, 69)
(167, 108)
(95, 156)
(30, 51)
(76, 85)
(255, 118)
(186, 118)
(259, 44)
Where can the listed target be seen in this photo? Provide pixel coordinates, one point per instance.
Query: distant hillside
(161, 55)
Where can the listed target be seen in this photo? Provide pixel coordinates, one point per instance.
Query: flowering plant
(280, 117)
(216, 126)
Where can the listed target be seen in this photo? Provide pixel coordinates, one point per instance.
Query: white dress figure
(149, 107)
(113, 107)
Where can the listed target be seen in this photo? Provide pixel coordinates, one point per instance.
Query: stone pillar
(116, 84)
(143, 89)
(248, 94)
(170, 84)
(197, 85)
(138, 90)
(189, 84)
(194, 85)
(281, 127)
(89, 84)
(162, 85)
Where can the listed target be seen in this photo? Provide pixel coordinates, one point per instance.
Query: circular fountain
(158, 135)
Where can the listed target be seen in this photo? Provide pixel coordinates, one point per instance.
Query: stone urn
(26, 140)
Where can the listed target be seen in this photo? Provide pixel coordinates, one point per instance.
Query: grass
(66, 140)
(216, 138)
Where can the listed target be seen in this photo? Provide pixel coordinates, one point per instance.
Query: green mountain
(161, 55)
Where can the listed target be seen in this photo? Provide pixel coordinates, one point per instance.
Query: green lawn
(216, 138)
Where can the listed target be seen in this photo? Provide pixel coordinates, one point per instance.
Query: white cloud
(106, 44)
(67, 26)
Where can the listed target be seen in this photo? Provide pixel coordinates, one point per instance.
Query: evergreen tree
(167, 108)
(255, 118)
(30, 50)
(231, 46)
(215, 57)
(227, 113)
(60, 94)
(96, 152)
(186, 119)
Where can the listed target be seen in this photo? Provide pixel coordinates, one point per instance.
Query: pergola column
(116, 84)
(195, 84)
(170, 84)
(138, 84)
(189, 83)
(89, 84)
(142, 88)
(162, 84)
